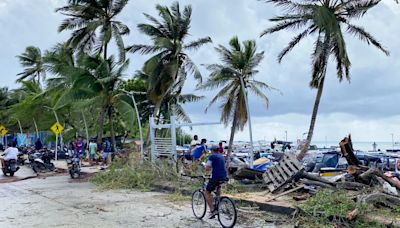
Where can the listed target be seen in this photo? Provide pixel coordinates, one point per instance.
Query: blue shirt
(198, 151)
(218, 166)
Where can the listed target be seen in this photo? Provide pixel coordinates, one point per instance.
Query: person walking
(92, 151)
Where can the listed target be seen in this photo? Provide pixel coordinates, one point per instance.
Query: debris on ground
(355, 189)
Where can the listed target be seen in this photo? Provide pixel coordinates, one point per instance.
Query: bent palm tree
(170, 64)
(32, 60)
(326, 19)
(98, 80)
(239, 61)
(94, 24)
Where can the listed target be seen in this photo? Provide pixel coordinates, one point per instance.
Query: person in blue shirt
(215, 164)
(198, 152)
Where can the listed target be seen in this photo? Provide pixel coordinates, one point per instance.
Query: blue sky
(367, 107)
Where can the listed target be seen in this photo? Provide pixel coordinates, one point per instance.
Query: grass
(178, 197)
(329, 208)
(132, 174)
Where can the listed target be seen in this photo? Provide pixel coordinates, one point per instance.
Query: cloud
(371, 96)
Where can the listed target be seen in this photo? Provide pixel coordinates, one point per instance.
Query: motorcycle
(41, 162)
(74, 165)
(10, 167)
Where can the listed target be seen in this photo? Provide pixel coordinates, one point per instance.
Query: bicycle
(226, 209)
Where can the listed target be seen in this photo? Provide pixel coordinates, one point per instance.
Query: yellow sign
(57, 128)
(3, 130)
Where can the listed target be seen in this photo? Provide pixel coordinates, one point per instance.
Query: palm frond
(365, 36)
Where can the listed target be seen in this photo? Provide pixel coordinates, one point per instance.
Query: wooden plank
(280, 172)
(294, 170)
(272, 178)
(271, 187)
(285, 193)
(283, 173)
(276, 175)
(286, 169)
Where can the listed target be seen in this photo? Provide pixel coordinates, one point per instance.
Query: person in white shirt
(195, 142)
(9, 154)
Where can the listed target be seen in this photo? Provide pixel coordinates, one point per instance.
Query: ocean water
(364, 146)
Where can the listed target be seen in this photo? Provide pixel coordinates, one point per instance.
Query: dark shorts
(188, 157)
(213, 184)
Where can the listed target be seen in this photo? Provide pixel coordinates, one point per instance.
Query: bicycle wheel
(227, 213)
(199, 205)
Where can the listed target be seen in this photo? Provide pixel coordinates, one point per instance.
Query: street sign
(57, 128)
(3, 130)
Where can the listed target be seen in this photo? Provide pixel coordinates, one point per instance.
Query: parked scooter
(41, 161)
(74, 165)
(10, 167)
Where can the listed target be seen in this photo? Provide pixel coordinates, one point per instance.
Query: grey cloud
(372, 93)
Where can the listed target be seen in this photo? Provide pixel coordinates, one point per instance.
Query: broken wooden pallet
(279, 175)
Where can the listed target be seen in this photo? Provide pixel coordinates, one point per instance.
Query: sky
(368, 107)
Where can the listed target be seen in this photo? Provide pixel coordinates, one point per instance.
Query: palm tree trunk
(105, 51)
(230, 145)
(112, 134)
(303, 152)
(101, 126)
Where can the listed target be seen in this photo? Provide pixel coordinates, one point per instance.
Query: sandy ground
(59, 202)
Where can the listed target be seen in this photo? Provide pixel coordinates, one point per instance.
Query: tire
(34, 168)
(71, 173)
(11, 173)
(51, 167)
(4, 172)
(199, 204)
(227, 213)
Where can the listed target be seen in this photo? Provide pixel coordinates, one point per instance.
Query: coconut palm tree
(170, 62)
(29, 105)
(97, 82)
(32, 60)
(94, 24)
(327, 20)
(238, 61)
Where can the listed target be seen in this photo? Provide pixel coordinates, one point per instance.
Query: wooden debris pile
(374, 186)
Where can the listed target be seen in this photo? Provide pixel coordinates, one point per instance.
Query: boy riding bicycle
(215, 164)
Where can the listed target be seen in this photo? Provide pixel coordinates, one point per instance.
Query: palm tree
(29, 104)
(238, 61)
(32, 60)
(97, 82)
(170, 62)
(326, 19)
(94, 24)
(6, 101)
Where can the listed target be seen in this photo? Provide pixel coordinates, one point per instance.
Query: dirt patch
(85, 177)
(15, 179)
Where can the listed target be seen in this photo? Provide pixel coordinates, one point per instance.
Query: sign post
(3, 132)
(57, 128)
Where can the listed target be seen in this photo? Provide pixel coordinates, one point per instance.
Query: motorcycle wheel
(71, 173)
(4, 172)
(52, 167)
(11, 173)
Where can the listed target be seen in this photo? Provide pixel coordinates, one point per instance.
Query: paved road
(60, 202)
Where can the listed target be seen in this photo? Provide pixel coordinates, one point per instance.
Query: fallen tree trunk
(355, 186)
(346, 147)
(381, 199)
(317, 183)
(312, 177)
